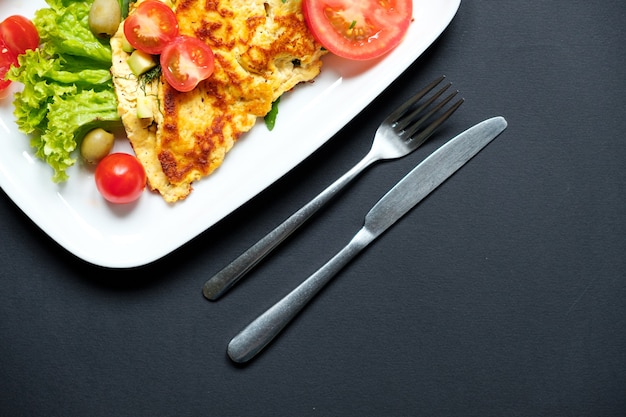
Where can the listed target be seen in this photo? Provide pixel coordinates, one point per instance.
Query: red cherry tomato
(187, 61)
(19, 34)
(151, 27)
(359, 30)
(120, 178)
(7, 58)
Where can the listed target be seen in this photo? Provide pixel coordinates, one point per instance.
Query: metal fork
(399, 134)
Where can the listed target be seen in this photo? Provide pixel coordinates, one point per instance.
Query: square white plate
(76, 216)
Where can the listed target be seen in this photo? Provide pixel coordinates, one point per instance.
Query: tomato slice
(19, 34)
(151, 27)
(120, 178)
(359, 30)
(187, 61)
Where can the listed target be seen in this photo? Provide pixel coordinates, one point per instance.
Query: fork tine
(410, 118)
(411, 124)
(399, 112)
(426, 133)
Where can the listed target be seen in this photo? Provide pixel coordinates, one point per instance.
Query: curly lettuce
(67, 84)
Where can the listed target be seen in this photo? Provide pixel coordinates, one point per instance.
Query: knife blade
(405, 195)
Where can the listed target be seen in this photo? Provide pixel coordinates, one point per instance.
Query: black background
(502, 294)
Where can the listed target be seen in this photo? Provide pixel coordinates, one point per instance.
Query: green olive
(105, 17)
(96, 145)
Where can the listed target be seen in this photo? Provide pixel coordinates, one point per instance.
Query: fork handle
(260, 332)
(221, 282)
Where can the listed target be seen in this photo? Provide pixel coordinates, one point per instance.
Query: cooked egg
(262, 49)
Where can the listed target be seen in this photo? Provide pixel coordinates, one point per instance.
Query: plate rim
(83, 246)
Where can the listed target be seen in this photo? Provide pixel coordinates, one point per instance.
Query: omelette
(262, 49)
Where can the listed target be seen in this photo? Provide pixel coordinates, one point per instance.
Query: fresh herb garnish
(270, 117)
(150, 75)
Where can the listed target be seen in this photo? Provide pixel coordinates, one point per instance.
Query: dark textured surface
(502, 294)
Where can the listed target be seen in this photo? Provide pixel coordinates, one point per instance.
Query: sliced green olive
(96, 144)
(105, 17)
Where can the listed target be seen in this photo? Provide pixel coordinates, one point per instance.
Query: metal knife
(416, 185)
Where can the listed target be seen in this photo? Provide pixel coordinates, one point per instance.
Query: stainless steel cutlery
(407, 193)
(402, 132)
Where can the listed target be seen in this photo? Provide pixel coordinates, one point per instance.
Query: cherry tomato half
(120, 178)
(151, 27)
(7, 58)
(187, 61)
(359, 30)
(19, 34)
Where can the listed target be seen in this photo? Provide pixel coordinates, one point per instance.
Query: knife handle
(260, 332)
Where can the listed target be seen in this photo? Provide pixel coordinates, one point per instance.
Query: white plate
(75, 216)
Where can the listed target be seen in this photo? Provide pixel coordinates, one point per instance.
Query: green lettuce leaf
(67, 84)
(66, 115)
(64, 30)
